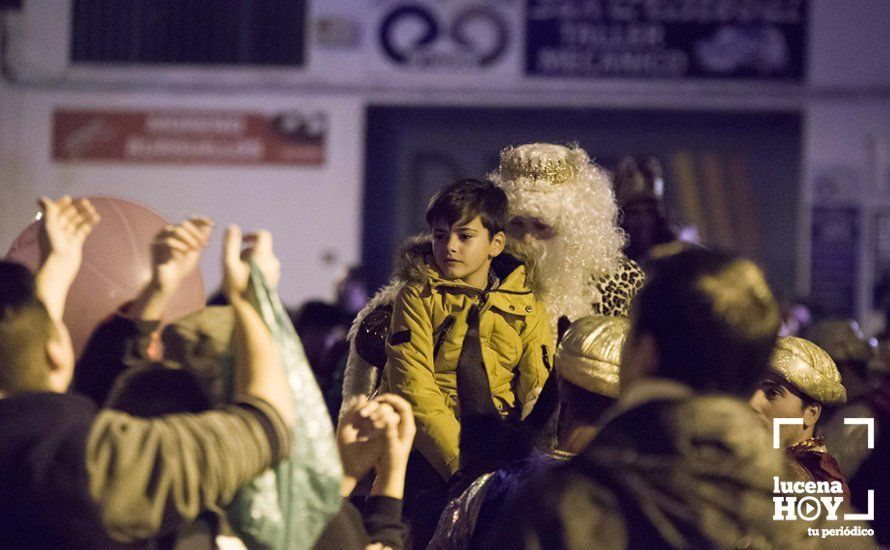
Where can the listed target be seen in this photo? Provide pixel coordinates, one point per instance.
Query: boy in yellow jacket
(466, 316)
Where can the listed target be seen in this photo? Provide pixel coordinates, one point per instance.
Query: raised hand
(260, 249)
(176, 250)
(175, 253)
(66, 225)
(236, 271)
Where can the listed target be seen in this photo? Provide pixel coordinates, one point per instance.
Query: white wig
(564, 189)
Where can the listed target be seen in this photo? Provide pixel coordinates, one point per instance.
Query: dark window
(226, 32)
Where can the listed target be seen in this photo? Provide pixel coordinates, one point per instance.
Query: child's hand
(176, 250)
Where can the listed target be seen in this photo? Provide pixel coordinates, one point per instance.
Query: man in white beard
(563, 207)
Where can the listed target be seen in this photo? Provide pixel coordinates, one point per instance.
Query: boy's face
(463, 251)
(774, 399)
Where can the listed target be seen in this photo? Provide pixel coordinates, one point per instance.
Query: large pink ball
(116, 266)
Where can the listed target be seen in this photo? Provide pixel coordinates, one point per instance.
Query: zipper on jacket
(443, 332)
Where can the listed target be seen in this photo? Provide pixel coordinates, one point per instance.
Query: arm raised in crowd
(258, 371)
(66, 225)
(123, 340)
(150, 475)
(175, 253)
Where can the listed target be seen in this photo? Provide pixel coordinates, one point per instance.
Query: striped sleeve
(150, 475)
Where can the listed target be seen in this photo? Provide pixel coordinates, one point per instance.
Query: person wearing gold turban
(801, 380)
(563, 207)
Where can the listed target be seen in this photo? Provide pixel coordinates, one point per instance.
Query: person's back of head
(25, 330)
(711, 318)
(319, 325)
(155, 390)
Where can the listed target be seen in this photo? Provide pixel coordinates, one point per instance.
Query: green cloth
(288, 506)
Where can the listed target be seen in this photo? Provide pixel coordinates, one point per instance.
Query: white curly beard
(565, 287)
(588, 244)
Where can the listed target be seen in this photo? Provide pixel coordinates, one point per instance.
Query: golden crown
(555, 171)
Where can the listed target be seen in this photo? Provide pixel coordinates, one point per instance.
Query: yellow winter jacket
(429, 323)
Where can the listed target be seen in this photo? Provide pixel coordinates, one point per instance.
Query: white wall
(848, 110)
(312, 212)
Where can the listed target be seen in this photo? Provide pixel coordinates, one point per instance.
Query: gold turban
(808, 368)
(590, 353)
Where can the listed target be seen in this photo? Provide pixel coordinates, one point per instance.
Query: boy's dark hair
(465, 199)
(25, 328)
(713, 318)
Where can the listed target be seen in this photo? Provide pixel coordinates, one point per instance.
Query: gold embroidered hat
(808, 368)
(590, 353)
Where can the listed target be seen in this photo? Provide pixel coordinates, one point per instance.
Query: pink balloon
(116, 266)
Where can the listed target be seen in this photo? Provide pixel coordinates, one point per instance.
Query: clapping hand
(236, 270)
(176, 250)
(66, 225)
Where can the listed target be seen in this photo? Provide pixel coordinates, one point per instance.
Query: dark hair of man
(713, 318)
(465, 199)
(155, 390)
(25, 328)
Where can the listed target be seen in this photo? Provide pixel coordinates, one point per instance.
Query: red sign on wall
(189, 137)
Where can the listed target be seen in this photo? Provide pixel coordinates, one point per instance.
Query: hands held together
(378, 433)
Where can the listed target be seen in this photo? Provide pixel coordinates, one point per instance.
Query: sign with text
(750, 39)
(189, 137)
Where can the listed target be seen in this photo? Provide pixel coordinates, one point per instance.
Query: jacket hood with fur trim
(361, 377)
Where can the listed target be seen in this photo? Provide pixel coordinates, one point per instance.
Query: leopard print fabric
(618, 289)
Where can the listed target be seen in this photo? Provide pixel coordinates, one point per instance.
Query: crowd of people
(548, 367)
